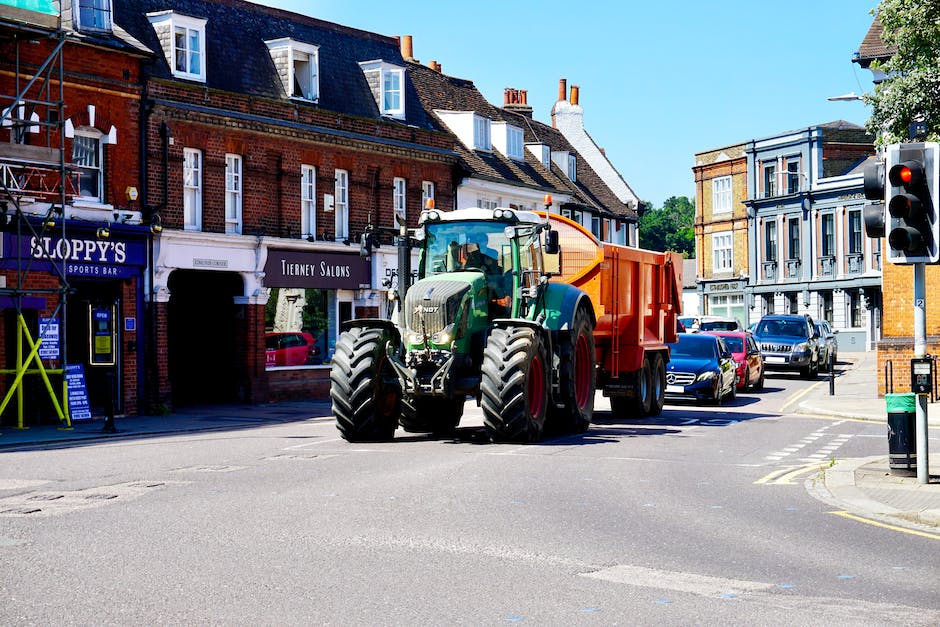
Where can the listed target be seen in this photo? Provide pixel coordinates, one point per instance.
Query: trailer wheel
(577, 378)
(514, 385)
(658, 387)
(640, 404)
(431, 414)
(364, 387)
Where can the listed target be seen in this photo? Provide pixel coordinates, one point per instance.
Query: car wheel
(733, 392)
(759, 385)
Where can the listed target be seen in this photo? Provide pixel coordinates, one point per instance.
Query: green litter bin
(902, 434)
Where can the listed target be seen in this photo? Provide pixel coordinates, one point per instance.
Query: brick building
(73, 253)
(721, 233)
(262, 169)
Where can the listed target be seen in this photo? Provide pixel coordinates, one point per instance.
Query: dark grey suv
(789, 342)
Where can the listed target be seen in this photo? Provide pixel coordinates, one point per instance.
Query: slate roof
(873, 46)
(238, 60)
(439, 91)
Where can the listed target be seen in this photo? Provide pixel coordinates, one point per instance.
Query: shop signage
(293, 268)
(724, 287)
(79, 407)
(49, 334)
(82, 256)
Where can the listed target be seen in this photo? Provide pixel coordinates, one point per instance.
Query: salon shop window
(297, 327)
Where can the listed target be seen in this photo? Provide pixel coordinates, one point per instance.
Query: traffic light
(913, 214)
(874, 213)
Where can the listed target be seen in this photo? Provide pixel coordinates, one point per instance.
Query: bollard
(832, 376)
(902, 446)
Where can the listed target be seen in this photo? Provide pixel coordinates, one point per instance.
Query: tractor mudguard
(561, 301)
(373, 323)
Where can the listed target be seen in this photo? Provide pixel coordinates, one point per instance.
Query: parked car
(700, 367)
(789, 342)
(719, 323)
(689, 323)
(291, 349)
(828, 344)
(747, 357)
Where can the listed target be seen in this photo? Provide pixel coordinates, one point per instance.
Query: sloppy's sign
(292, 268)
(82, 256)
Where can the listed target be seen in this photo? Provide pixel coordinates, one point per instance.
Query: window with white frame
(233, 193)
(387, 83)
(721, 195)
(596, 226)
(183, 39)
(427, 193)
(572, 168)
(828, 243)
(298, 67)
(481, 133)
(770, 240)
(308, 201)
(722, 252)
(793, 175)
(86, 157)
(341, 203)
(398, 200)
(94, 14)
(192, 189)
(770, 179)
(514, 143)
(855, 232)
(487, 203)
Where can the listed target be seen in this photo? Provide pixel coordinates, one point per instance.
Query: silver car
(828, 345)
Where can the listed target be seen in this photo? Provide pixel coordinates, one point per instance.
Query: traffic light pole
(920, 350)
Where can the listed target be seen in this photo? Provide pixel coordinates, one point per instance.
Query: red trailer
(637, 297)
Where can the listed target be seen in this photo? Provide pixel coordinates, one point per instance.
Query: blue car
(701, 368)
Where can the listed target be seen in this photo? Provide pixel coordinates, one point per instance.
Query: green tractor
(482, 320)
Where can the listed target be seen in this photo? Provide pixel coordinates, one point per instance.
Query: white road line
(306, 444)
(702, 585)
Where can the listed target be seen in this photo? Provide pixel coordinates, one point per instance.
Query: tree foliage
(912, 90)
(671, 227)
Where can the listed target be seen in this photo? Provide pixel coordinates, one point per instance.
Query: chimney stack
(516, 100)
(407, 51)
(562, 89)
(574, 94)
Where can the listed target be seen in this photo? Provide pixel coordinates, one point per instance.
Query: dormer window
(297, 66)
(183, 39)
(508, 140)
(387, 82)
(542, 152)
(572, 168)
(93, 15)
(481, 133)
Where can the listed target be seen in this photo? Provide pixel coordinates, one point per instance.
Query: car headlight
(444, 336)
(799, 348)
(705, 376)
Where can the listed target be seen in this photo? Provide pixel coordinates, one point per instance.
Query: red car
(747, 356)
(291, 349)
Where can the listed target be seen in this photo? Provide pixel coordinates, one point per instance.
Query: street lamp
(849, 97)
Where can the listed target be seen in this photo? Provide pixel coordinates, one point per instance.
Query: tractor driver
(480, 255)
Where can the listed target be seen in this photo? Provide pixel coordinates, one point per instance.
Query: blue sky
(659, 81)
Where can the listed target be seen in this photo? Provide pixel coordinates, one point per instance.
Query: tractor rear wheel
(577, 378)
(514, 386)
(364, 387)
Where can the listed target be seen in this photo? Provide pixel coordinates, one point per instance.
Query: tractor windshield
(456, 246)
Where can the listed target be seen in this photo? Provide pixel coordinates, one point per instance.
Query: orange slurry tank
(636, 296)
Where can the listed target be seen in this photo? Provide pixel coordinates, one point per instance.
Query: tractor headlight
(706, 376)
(444, 336)
(415, 338)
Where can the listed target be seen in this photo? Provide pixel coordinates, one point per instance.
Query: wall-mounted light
(48, 223)
(156, 224)
(103, 232)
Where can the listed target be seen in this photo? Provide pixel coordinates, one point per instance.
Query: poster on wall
(79, 407)
(49, 334)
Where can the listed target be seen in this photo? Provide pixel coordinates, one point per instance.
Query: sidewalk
(863, 487)
(866, 486)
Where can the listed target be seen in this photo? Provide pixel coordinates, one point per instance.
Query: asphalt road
(695, 517)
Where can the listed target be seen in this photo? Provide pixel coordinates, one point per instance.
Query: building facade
(262, 170)
(809, 253)
(721, 232)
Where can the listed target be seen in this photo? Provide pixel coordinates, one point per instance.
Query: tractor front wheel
(364, 387)
(514, 386)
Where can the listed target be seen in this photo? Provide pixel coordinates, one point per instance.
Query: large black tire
(640, 404)
(657, 385)
(577, 378)
(514, 386)
(430, 414)
(365, 390)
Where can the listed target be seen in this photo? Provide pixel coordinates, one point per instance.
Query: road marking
(306, 444)
(702, 585)
(784, 476)
(913, 532)
(798, 396)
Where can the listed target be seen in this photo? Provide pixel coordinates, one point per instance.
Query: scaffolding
(34, 172)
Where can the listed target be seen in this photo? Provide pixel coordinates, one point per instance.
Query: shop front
(97, 328)
(726, 299)
(310, 294)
